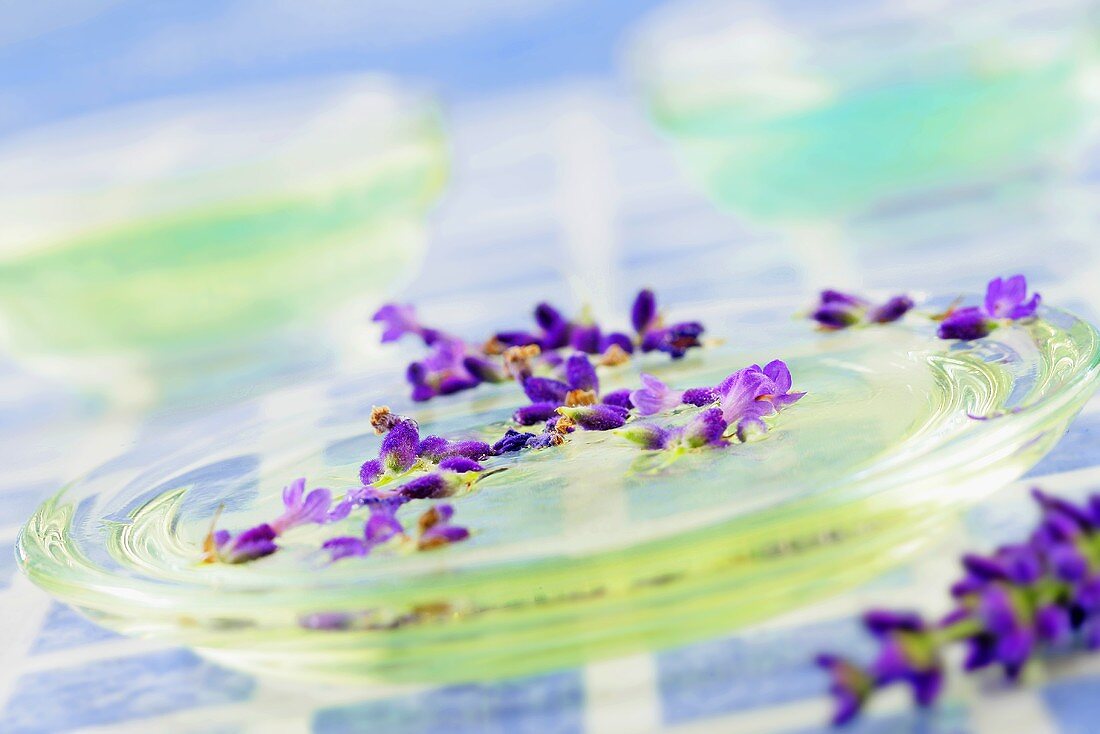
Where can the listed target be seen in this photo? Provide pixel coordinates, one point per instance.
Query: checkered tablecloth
(562, 193)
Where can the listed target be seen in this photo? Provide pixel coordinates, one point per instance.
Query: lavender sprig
(453, 365)
(1010, 606)
(1005, 301)
(837, 310)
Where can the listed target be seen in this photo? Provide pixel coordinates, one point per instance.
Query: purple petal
(529, 415)
(484, 369)
(340, 510)
(778, 372)
(965, 324)
(399, 447)
(580, 374)
(428, 486)
(705, 429)
(1052, 623)
(253, 543)
(699, 396)
(545, 390)
(596, 417)
(618, 339)
(345, 547)
(835, 317)
(654, 396)
(512, 440)
(370, 471)
(1026, 310)
(644, 310)
(585, 339)
(890, 311)
(548, 317)
(381, 526)
(397, 320)
(460, 464)
(834, 297)
(620, 398)
(292, 493)
(646, 435)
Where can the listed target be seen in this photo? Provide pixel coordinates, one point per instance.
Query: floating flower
(303, 509)
(380, 528)
(837, 310)
(399, 447)
(596, 417)
(1005, 301)
(654, 396)
(512, 440)
(706, 428)
(436, 449)
(400, 319)
(436, 529)
(254, 543)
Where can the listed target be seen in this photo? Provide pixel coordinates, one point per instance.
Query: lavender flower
(966, 324)
(837, 310)
(397, 320)
(302, 509)
(654, 396)
(436, 449)
(596, 417)
(512, 440)
(436, 529)
(1011, 605)
(699, 396)
(580, 374)
(675, 340)
(621, 398)
(1005, 300)
(380, 528)
(399, 447)
(254, 543)
(705, 428)
(643, 314)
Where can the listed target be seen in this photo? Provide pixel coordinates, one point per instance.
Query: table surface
(563, 188)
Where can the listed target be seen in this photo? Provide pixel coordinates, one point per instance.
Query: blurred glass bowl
(798, 111)
(172, 230)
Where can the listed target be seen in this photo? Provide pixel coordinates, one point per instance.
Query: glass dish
(592, 549)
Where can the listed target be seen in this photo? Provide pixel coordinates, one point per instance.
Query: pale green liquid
(878, 141)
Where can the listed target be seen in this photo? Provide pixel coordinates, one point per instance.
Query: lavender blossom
(654, 396)
(1011, 605)
(437, 530)
(1005, 300)
(580, 374)
(380, 528)
(621, 398)
(837, 310)
(399, 447)
(302, 509)
(249, 545)
(397, 320)
(436, 448)
(596, 417)
(512, 440)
